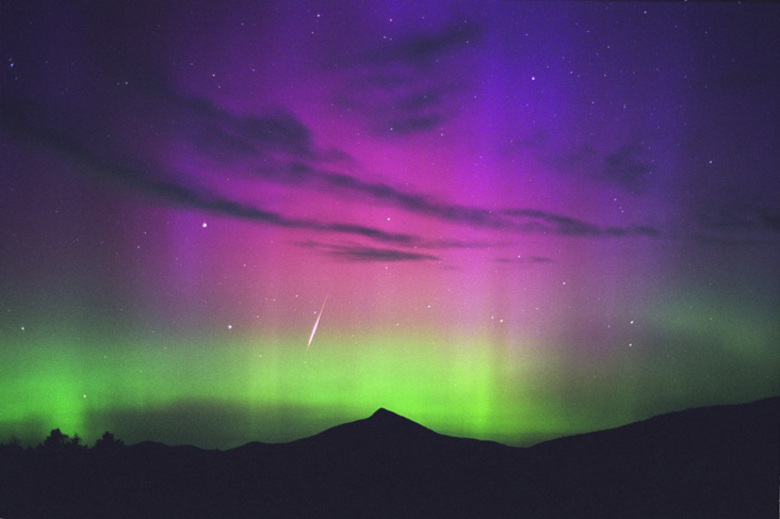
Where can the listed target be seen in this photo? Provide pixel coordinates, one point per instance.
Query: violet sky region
(529, 219)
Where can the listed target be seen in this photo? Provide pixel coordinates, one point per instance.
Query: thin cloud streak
(526, 260)
(362, 253)
(552, 223)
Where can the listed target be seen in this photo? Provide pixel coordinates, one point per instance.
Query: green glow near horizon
(266, 387)
(413, 376)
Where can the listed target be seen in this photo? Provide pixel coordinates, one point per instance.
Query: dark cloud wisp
(533, 220)
(407, 87)
(526, 260)
(420, 49)
(362, 253)
(629, 167)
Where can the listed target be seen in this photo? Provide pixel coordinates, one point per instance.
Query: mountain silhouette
(705, 462)
(381, 427)
(387, 420)
(719, 461)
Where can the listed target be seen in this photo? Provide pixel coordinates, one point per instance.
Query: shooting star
(316, 323)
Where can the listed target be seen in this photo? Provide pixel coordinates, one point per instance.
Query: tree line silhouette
(57, 441)
(58, 449)
(60, 477)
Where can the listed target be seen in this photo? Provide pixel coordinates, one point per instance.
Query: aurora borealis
(528, 219)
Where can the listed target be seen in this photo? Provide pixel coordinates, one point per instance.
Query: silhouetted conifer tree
(55, 440)
(107, 443)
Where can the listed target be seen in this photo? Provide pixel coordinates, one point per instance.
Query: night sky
(511, 220)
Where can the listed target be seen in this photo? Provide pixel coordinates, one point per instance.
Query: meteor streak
(316, 323)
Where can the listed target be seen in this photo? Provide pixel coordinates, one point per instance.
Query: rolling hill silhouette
(709, 462)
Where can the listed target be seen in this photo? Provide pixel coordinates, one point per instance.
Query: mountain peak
(390, 422)
(384, 414)
(385, 418)
(384, 428)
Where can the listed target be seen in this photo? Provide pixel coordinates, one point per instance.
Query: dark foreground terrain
(708, 462)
